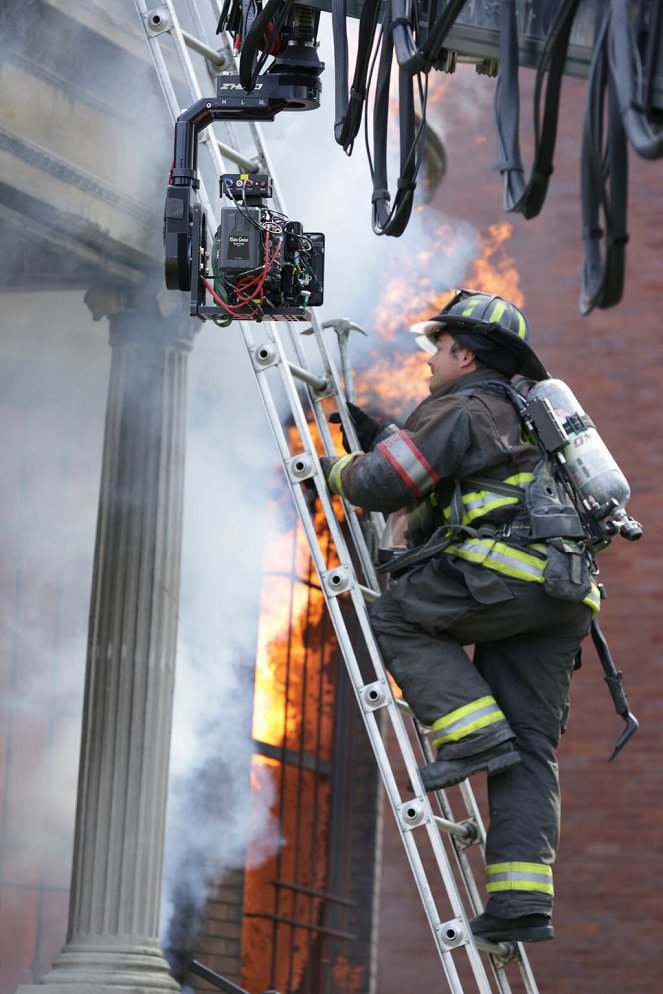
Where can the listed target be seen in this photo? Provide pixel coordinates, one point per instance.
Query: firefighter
(459, 471)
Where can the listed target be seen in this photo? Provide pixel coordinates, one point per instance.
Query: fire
(289, 607)
(396, 380)
(291, 604)
(393, 383)
(495, 271)
(294, 699)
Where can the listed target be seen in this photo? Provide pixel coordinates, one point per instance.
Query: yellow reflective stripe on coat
(463, 721)
(515, 561)
(479, 502)
(519, 876)
(334, 476)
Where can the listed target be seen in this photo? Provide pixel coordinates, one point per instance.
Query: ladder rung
(368, 593)
(505, 952)
(466, 831)
(319, 383)
(248, 165)
(406, 709)
(199, 46)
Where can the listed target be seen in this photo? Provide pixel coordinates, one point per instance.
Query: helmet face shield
(426, 333)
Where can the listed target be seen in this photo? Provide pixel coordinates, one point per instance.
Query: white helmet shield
(423, 331)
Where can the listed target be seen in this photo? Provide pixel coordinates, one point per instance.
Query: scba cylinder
(595, 474)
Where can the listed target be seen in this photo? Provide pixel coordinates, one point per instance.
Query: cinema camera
(262, 265)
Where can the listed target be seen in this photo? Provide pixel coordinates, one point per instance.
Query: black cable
(412, 58)
(349, 108)
(371, 70)
(249, 63)
(393, 221)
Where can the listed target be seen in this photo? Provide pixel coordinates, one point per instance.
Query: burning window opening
(296, 906)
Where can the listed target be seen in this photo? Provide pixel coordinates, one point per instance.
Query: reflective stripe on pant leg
(533, 877)
(463, 721)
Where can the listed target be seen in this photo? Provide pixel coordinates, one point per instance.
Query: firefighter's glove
(367, 428)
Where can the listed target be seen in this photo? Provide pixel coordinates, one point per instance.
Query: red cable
(242, 292)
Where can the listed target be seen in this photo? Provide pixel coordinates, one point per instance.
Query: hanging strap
(349, 108)
(416, 49)
(527, 197)
(632, 81)
(604, 182)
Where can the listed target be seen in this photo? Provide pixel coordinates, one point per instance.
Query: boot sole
(445, 777)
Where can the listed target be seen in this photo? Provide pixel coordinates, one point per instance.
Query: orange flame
(495, 271)
(294, 708)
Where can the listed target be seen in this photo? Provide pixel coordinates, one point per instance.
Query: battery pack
(240, 239)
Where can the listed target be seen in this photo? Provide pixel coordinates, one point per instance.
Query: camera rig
(261, 264)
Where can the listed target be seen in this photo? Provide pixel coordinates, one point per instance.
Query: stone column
(112, 942)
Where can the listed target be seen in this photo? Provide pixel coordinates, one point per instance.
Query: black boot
(445, 772)
(527, 928)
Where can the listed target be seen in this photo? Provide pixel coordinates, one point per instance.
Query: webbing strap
(443, 537)
(527, 197)
(628, 73)
(495, 486)
(604, 181)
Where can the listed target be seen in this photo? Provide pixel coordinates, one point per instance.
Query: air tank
(595, 474)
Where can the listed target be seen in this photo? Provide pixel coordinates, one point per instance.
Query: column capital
(150, 315)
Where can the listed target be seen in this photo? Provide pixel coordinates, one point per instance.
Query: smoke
(230, 465)
(52, 383)
(330, 192)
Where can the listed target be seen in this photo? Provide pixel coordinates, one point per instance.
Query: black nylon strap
(604, 180)
(527, 197)
(628, 70)
(495, 486)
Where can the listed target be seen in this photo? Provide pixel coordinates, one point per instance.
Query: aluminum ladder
(296, 374)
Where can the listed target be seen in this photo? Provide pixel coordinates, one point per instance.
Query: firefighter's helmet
(493, 328)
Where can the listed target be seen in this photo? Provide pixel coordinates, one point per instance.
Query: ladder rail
(467, 795)
(375, 519)
(339, 580)
(415, 816)
(463, 863)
